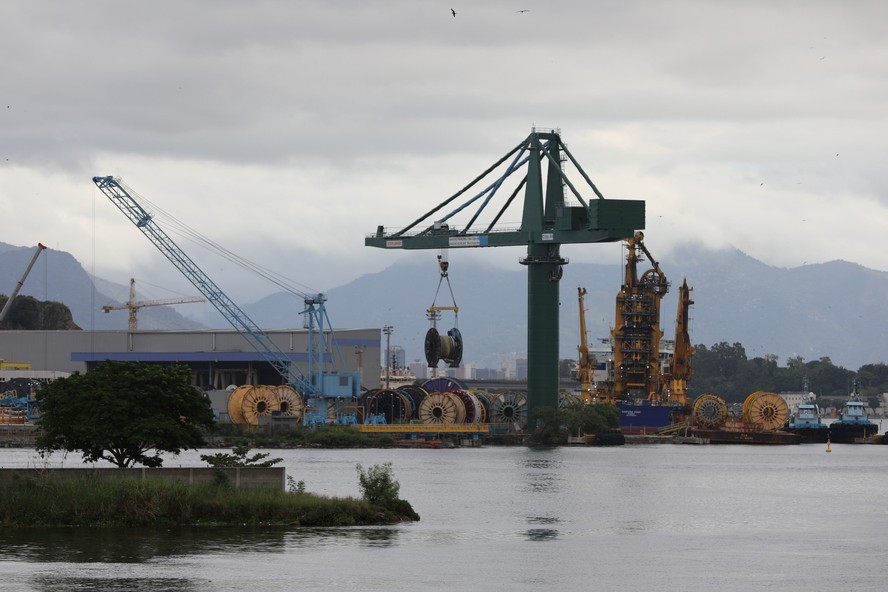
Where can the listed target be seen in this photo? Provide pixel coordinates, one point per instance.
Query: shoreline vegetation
(89, 502)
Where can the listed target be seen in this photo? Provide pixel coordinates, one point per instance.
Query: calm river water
(660, 517)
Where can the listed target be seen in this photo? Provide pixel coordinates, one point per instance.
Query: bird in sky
(525, 10)
(454, 12)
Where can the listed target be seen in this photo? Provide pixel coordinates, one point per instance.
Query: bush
(378, 484)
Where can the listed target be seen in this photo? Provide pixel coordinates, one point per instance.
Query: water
(726, 518)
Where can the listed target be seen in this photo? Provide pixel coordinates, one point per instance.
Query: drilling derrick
(678, 369)
(636, 333)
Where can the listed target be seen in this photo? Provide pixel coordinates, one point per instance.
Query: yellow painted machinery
(677, 371)
(636, 333)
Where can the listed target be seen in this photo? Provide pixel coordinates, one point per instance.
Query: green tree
(567, 368)
(549, 427)
(590, 418)
(238, 458)
(125, 413)
(378, 484)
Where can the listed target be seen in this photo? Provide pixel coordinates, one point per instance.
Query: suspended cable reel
(448, 347)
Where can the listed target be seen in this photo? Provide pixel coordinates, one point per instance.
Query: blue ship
(807, 425)
(852, 426)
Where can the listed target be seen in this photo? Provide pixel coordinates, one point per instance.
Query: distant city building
(419, 369)
(793, 398)
(488, 374)
(882, 409)
(397, 357)
(521, 369)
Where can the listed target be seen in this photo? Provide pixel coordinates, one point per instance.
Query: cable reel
(449, 346)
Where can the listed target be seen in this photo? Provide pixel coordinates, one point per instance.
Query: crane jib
(311, 386)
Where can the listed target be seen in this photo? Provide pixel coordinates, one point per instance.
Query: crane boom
(262, 343)
(40, 248)
(679, 370)
(585, 363)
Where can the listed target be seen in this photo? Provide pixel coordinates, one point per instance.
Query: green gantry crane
(547, 222)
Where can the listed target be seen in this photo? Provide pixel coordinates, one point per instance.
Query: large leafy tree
(125, 413)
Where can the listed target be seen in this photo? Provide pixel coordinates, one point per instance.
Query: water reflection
(542, 520)
(133, 545)
(66, 584)
(542, 475)
(313, 538)
(541, 534)
(127, 545)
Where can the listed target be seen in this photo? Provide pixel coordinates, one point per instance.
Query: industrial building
(218, 358)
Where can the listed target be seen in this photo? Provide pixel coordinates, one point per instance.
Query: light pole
(359, 353)
(388, 336)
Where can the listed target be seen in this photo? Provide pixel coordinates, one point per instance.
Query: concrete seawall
(239, 477)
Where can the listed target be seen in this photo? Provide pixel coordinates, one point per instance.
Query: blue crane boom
(315, 385)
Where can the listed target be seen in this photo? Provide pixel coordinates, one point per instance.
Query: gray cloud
(328, 118)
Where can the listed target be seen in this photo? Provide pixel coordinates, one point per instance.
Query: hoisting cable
(179, 228)
(443, 265)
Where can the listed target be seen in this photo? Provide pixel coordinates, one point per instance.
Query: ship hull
(851, 433)
(810, 435)
(746, 437)
(642, 419)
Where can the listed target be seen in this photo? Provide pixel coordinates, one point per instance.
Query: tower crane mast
(133, 306)
(315, 385)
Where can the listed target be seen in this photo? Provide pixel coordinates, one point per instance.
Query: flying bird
(454, 12)
(525, 10)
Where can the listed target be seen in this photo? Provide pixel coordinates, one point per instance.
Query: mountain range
(834, 309)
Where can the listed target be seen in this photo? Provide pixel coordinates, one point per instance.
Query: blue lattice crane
(318, 383)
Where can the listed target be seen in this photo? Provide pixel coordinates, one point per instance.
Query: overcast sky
(286, 131)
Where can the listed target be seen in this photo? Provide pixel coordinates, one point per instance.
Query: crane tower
(554, 212)
(133, 306)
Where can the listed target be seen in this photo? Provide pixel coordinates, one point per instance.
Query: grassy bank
(91, 502)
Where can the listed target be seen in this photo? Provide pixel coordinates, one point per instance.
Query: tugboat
(805, 422)
(853, 426)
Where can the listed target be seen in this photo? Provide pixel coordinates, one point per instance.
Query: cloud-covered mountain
(833, 309)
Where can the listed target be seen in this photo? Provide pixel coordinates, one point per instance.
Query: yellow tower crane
(134, 306)
(584, 367)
